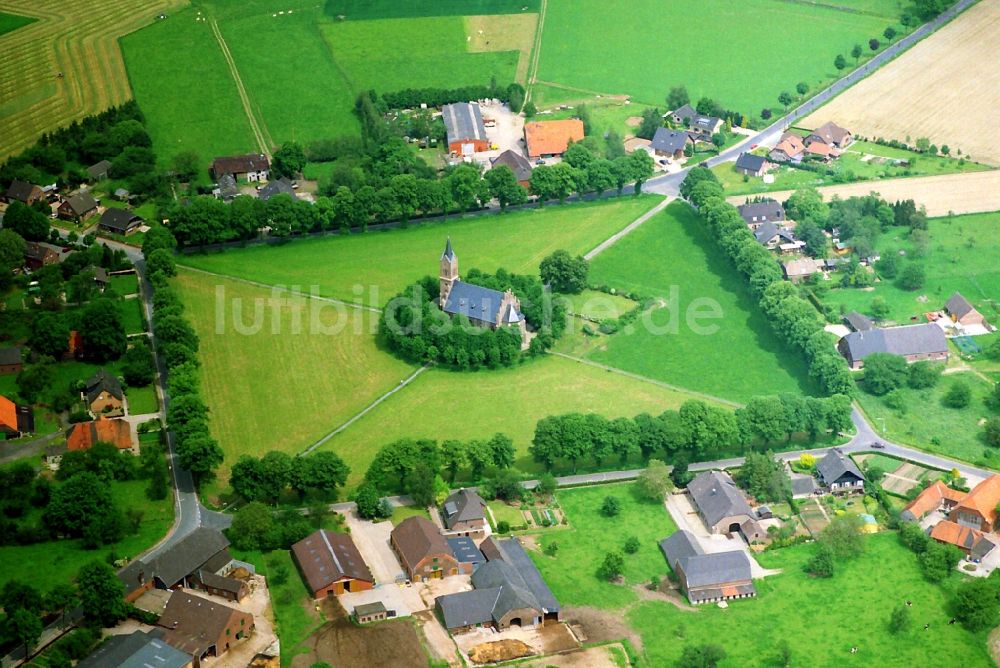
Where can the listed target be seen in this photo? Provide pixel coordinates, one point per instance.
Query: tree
(16, 594)
(611, 506)
(101, 594)
(161, 260)
(679, 474)
(802, 88)
(26, 221)
(784, 99)
(879, 308)
(975, 603)
(25, 626)
(899, 620)
(856, 52)
(78, 503)
(369, 503)
(766, 114)
(547, 484)
(138, 365)
(843, 537)
(654, 482)
(288, 160)
(564, 273)
(504, 186)
(764, 477)
(677, 97)
(991, 431)
(454, 455)
(60, 599)
(651, 122)
(874, 44)
(252, 524)
(12, 247)
(718, 140)
(912, 277)
(889, 33)
(102, 328)
(924, 374)
(821, 564)
(530, 109)
(959, 395)
(701, 656)
(888, 265)
(502, 451)
(49, 334)
(938, 560)
(612, 567)
(555, 182)
(199, 453)
(420, 485)
(631, 545)
(840, 62)
(505, 485)
(884, 372)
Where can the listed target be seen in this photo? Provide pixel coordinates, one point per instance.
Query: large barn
(331, 564)
(463, 123)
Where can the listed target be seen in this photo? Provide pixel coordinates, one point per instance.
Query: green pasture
(11, 22)
(393, 9)
(598, 305)
(734, 356)
(373, 267)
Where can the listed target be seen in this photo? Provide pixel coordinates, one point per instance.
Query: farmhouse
(978, 510)
(78, 207)
(463, 124)
(15, 420)
(682, 115)
(99, 170)
(203, 627)
(103, 393)
(464, 513)
(518, 164)
(119, 221)
(770, 236)
(331, 564)
(753, 165)
(137, 650)
(483, 307)
(831, 134)
(799, 270)
(963, 312)
(670, 143)
(858, 322)
(789, 149)
(723, 507)
(960, 536)
(38, 254)
(755, 214)
(546, 139)
(274, 188)
(839, 473)
(818, 149)
(914, 342)
(707, 578)
(423, 551)
(509, 591)
(937, 496)
(183, 564)
(10, 361)
(24, 192)
(250, 167)
(83, 435)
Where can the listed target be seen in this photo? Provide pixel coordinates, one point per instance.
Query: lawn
(132, 315)
(183, 84)
(673, 258)
(443, 405)
(820, 619)
(125, 284)
(711, 47)
(599, 305)
(11, 22)
(58, 561)
(400, 513)
(373, 267)
(286, 385)
(926, 423)
(384, 9)
(142, 400)
(960, 256)
(504, 512)
(572, 572)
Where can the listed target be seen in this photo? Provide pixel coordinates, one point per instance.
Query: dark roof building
(102, 381)
(463, 123)
(80, 205)
(669, 142)
(465, 550)
(99, 170)
(719, 501)
(203, 627)
(481, 304)
(253, 164)
(203, 549)
(683, 114)
(24, 192)
(275, 188)
(10, 358)
(914, 342)
(756, 213)
(139, 649)
(518, 164)
(839, 472)
(958, 306)
(120, 221)
(748, 163)
(770, 234)
(462, 509)
(715, 576)
(858, 322)
(227, 188)
(331, 564)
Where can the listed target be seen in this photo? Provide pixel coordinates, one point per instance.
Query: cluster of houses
(229, 171)
(824, 143)
(967, 520)
(80, 206)
(688, 128)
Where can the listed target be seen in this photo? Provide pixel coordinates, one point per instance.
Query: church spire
(448, 254)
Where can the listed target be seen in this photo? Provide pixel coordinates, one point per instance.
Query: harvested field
(974, 192)
(500, 650)
(940, 89)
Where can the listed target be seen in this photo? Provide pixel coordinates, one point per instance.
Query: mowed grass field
(277, 389)
(673, 255)
(893, 103)
(76, 37)
(443, 405)
(742, 54)
(376, 9)
(821, 619)
(383, 263)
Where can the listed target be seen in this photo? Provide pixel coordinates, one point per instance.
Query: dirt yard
(941, 89)
(973, 192)
(601, 625)
(593, 657)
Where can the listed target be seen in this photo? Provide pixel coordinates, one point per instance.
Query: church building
(482, 306)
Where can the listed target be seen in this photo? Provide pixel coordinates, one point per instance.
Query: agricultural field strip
(241, 89)
(615, 238)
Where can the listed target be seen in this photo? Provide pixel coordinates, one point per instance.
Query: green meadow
(11, 22)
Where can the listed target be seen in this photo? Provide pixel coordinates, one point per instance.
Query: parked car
(878, 445)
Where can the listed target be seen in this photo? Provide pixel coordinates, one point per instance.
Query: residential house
(755, 214)
(702, 127)
(10, 361)
(858, 322)
(682, 115)
(99, 170)
(226, 189)
(101, 278)
(839, 473)
(963, 312)
(707, 578)
(789, 149)
(139, 649)
(366, 613)
(15, 420)
(119, 221)
(508, 591)
(546, 139)
(38, 254)
(937, 496)
(831, 134)
(103, 393)
(23, 192)
(274, 188)
(978, 510)
(423, 551)
(203, 627)
(83, 435)
(183, 564)
(331, 564)
(914, 342)
(670, 144)
(799, 270)
(463, 124)
(518, 164)
(820, 150)
(464, 512)
(770, 236)
(753, 165)
(54, 454)
(723, 507)
(251, 167)
(466, 552)
(78, 207)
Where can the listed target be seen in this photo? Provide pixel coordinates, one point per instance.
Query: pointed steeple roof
(448, 254)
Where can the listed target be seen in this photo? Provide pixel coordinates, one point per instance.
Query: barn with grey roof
(708, 577)
(912, 342)
(722, 505)
(463, 123)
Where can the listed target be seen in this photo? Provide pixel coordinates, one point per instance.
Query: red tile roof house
(934, 497)
(83, 435)
(15, 421)
(331, 564)
(423, 551)
(978, 509)
(551, 138)
(464, 513)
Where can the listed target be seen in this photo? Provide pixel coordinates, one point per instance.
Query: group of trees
(790, 315)
(267, 478)
(841, 540)
(937, 560)
(564, 273)
(587, 168)
(512, 94)
(885, 373)
(409, 465)
(257, 527)
(765, 478)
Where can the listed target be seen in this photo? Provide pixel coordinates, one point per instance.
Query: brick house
(251, 167)
(912, 342)
(15, 420)
(517, 163)
(464, 512)
(978, 509)
(38, 254)
(423, 551)
(103, 393)
(203, 627)
(331, 564)
(832, 135)
(963, 312)
(670, 144)
(23, 192)
(83, 435)
(10, 361)
(723, 507)
(78, 207)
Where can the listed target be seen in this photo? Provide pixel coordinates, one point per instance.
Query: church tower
(449, 272)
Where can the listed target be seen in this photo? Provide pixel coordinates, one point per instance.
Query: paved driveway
(372, 539)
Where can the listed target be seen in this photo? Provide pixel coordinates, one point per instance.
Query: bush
(611, 506)
(821, 563)
(631, 545)
(884, 372)
(551, 548)
(612, 567)
(959, 395)
(503, 526)
(924, 374)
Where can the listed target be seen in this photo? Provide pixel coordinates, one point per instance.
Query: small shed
(366, 613)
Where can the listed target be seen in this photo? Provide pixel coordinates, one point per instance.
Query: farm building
(10, 360)
(914, 342)
(670, 143)
(202, 627)
(799, 270)
(963, 312)
(858, 322)
(366, 613)
(831, 134)
(83, 435)
(466, 552)
(274, 188)
(723, 507)
(98, 170)
(755, 214)
(707, 578)
(78, 207)
(753, 165)
(103, 393)
(937, 496)
(423, 551)
(54, 454)
(251, 167)
(546, 139)
(120, 221)
(978, 509)
(517, 163)
(789, 149)
(962, 537)
(839, 473)
(15, 420)
(484, 307)
(202, 551)
(137, 649)
(226, 189)
(23, 192)
(331, 564)
(463, 124)
(464, 512)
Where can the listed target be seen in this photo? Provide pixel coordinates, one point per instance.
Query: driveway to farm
(372, 539)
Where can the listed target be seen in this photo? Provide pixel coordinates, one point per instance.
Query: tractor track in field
(241, 89)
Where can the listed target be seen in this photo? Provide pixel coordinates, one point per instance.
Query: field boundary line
(651, 381)
(553, 84)
(536, 52)
(628, 229)
(369, 408)
(296, 293)
(241, 89)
